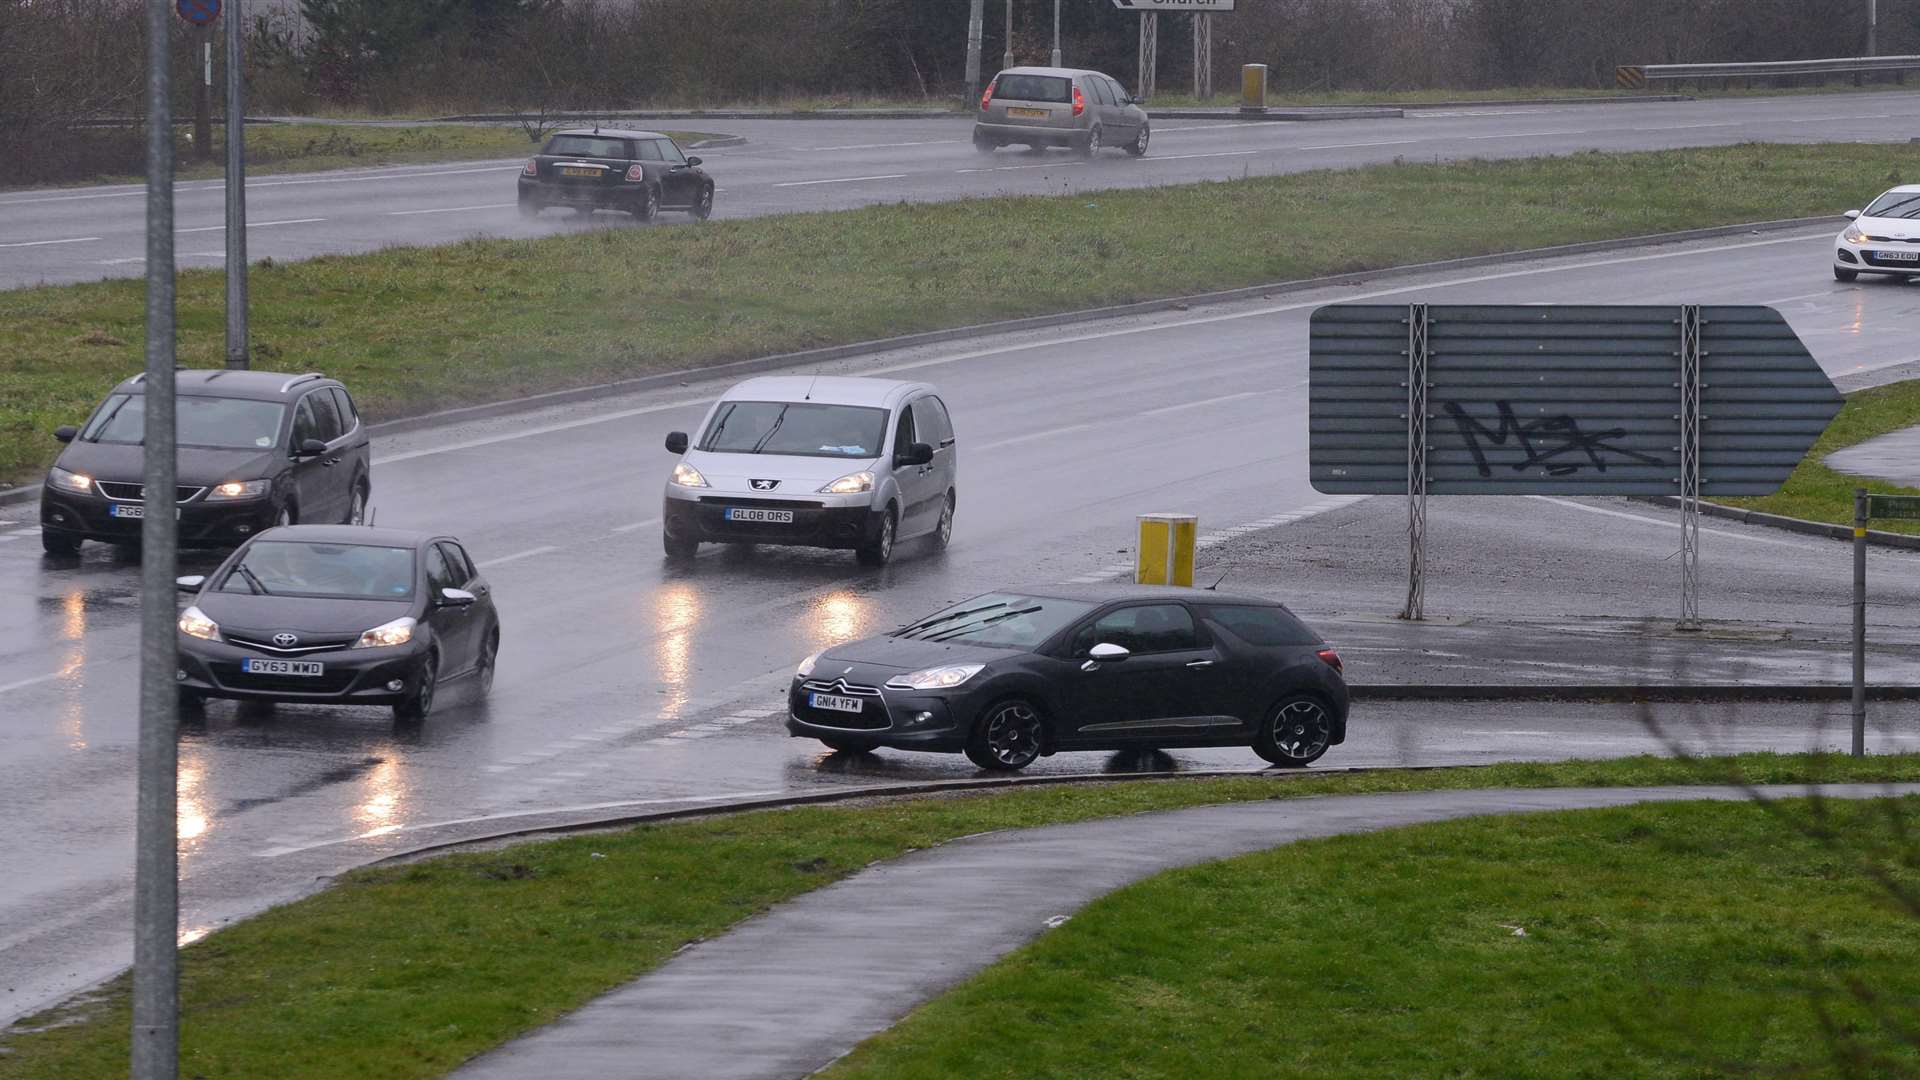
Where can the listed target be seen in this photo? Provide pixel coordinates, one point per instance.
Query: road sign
(1630, 78)
(1905, 507)
(1189, 6)
(1560, 400)
(198, 12)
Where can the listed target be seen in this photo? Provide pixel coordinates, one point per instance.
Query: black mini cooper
(640, 172)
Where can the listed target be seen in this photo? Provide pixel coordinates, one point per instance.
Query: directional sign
(1560, 400)
(198, 12)
(1905, 507)
(1174, 5)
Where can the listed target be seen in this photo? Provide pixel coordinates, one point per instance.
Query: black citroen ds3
(257, 449)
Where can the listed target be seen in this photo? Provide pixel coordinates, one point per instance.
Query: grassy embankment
(403, 972)
(1818, 493)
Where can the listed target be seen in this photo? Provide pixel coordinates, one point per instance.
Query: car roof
(225, 382)
(368, 535)
(1108, 593)
(824, 389)
(615, 133)
(1063, 72)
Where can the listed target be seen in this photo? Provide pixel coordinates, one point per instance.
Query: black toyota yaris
(338, 614)
(1009, 677)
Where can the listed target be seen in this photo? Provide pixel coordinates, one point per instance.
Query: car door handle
(1199, 663)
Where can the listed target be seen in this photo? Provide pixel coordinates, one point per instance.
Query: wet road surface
(625, 681)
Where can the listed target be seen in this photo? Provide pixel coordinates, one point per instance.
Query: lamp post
(1056, 33)
(1006, 60)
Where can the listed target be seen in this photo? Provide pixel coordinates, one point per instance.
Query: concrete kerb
(1626, 693)
(760, 364)
(1792, 524)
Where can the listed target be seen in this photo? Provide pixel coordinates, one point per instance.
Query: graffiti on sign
(1555, 443)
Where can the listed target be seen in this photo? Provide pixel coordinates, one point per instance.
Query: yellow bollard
(1164, 555)
(1253, 87)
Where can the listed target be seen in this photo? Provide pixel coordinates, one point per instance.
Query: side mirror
(190, 583)
(693, 161)
(310, 448)
(456, 598)
(676, 442)
(1850, 215)
(65, 432)
(1109, 653)
(917, 454)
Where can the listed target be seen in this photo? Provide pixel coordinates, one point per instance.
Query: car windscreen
(1033, 88)
(1895, 204)
(796, 428)
(1259, 625)
(1006, 620)
(306, 568)
(205, 422)
(587, 146)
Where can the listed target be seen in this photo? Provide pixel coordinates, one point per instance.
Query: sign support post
(976, 29)
(236, 186)
(1416, 607)
(1149, 47)
(1690, 421)
(1859, 622)
(1202, 55)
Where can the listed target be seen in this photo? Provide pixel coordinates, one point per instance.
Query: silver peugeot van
(1045, 106)
(826, 461)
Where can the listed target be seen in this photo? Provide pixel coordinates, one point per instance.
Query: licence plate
(258, 666)
(834, 702)
(132, 512)
(765, 517)
(579, 172)
(1899, 256)
(1037, 114)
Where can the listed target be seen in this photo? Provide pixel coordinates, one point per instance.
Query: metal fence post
(1859, 622)
(1690, 479)
(1416, 607)
(156, 1031)
(236, 189)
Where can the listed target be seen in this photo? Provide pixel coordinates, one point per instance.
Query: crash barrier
(1637, 76)
(1164, 554)
(1253, 86)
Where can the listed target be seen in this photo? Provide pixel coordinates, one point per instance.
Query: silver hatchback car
(825, 461)
(1046, 106)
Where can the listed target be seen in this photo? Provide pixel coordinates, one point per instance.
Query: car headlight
(194, 623)
(397, 632)
(69, 481)
(850, 484)
(1853, 235)
(685, 475)
(806, 666)
(937, 678)
(239, 489)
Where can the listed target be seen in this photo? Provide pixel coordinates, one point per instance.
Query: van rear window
(1033, 88)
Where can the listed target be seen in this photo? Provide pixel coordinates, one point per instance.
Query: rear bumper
(622, 196)
(87, 517)
(352, 677)
(825, 527)
(1021, 133)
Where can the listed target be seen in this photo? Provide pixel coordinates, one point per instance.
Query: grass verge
(1816, 492)
(403, 972)
(412, 329)
(1653, 941)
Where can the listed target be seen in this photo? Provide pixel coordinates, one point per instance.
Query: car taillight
(636, 172)
(1079, 102)
(533, 167)
(987, 95)
(1331, 659)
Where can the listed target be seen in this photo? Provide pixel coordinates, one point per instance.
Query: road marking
(24, 683)
(1529, 134)
(255, 225)
(877, 145)
(842, 180)
(636, 525)
(44, 243)
(449, 209)
(1350, 145)
(1569, 504)
(123, 262)
(1047, 434)
(252, 184)
(516, 556)
(1223, 153)
(1201, 402)
(1687, 127)
(1805, 296)
(545, 429)
(1037, 165)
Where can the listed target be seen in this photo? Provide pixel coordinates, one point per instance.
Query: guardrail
(1637, 76)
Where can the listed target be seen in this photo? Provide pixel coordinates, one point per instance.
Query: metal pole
(203, 96)
(236, 189)
(156, 1031)
(1149, 46)
(1202, 55)
(1690, 478)
(976, 19)
(1873, 27)
(1056, 33)
(1006, 58)
(1859, 622)
(1417, 387)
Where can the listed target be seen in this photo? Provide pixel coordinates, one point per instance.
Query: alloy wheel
(357, 508)
(1012, 735)
(1301, 730)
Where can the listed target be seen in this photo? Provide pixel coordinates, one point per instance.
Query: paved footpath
(784, 994)
(1894, 457)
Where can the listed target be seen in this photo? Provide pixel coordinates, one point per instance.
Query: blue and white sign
(198, 12)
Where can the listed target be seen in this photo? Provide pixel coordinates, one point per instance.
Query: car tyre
(842, 746)
(489, 659)
(679, 549)
(356, 505)
(1008, 738)
(880, 551)
(985, 145)
(286, 516)
(1841, 273)
(702, 205)
(648, 207)
(1138, 147)
(419, 704)
(1296, 732)
(1090, 147)
(191, 702)
(529, 208)
(58, 543)
(943, 532)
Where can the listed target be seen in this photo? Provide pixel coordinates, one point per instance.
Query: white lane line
(255, 225)
(24, 683)
(123, 262)
(877, 145)
(516, 556)
(1805, 296)
(1037, 165)
(139, 193)
(1529, 134)
(449, 209)
(1689, 127)
(544, 429)
(842, 180)
(1202, 402)
(45, 243)
(1047, 434)
(1224, 153)
(1667, 524)
(636, 525)
(1350, 145)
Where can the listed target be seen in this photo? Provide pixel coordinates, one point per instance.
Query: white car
(1883, 239)
(825, 461)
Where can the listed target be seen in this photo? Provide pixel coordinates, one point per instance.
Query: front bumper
(352, 676)
(202, 524)
(703, 518)
(1872, 258)
(900, 719)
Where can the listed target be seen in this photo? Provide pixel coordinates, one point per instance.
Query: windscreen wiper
(253, 582)
(775, 426)
(938, 619)
(956, 631)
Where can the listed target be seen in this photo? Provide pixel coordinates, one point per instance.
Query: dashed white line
(255, 225)
(1201, 403)
(635, 525)
(1036, 165)
(1223, 153)
(448, 209)
(1351, 145)
(1569, 504)
(516, 556)
(876, 145)
(44, 243)
(24, 683)
(842, 180)
(1530, 134)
